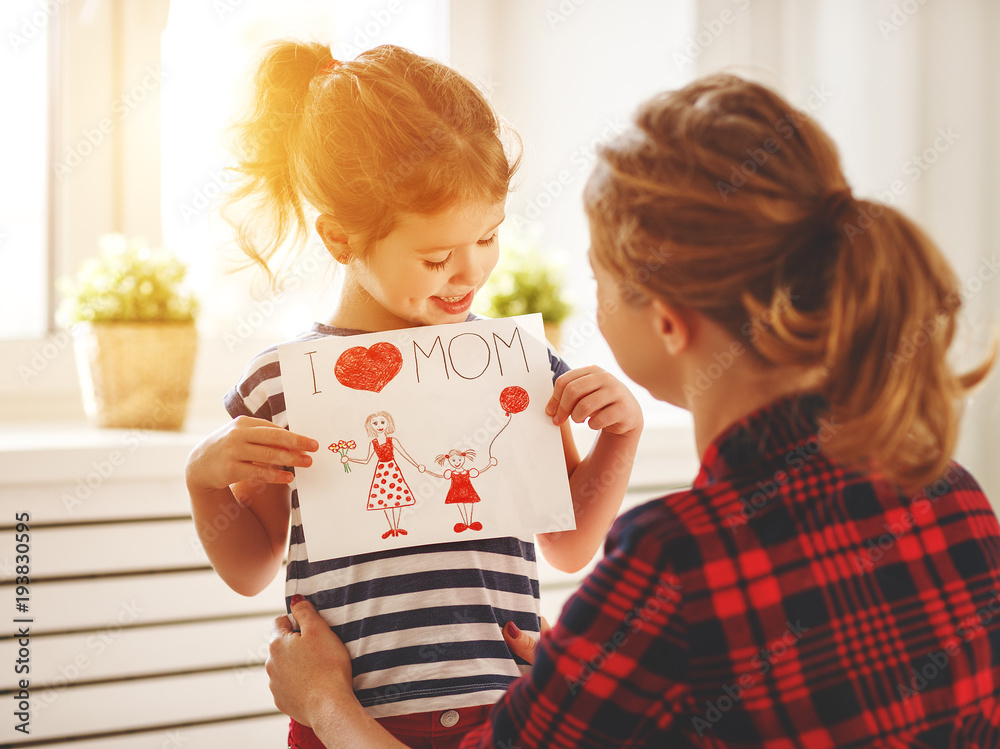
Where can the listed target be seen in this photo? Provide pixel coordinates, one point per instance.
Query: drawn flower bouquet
(342, 447)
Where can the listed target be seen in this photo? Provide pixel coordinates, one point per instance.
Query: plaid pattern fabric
(781, 602)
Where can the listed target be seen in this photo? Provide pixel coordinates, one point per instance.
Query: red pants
(441, 729)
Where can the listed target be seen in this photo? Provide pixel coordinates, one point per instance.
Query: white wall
(568, 75)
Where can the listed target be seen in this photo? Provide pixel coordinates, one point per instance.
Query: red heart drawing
(361, 368)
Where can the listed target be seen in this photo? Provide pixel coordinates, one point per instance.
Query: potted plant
(134, 335)
(523, 283)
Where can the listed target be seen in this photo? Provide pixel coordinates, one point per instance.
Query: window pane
(24, 131)
(202, 93)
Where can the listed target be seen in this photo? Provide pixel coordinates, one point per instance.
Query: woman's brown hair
(362, 140)
(726, 200)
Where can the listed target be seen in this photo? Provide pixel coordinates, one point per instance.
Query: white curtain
(910, 92)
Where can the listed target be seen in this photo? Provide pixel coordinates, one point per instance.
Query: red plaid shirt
(780, 602)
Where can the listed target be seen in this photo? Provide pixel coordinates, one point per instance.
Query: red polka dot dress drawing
(389, 489)
(389, 492)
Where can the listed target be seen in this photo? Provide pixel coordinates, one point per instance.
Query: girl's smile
(455, 305)
(426, 271)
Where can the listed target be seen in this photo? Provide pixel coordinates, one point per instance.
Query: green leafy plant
(524, 283)
(127, 282)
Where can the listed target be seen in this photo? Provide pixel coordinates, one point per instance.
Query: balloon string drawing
(513, 400)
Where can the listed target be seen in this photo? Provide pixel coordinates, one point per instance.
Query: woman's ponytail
(893, 305)
(265, 205)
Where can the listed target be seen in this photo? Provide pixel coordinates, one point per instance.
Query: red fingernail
(512, 630)
(297, 599)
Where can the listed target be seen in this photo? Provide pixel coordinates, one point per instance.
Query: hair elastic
(330, 66)
(833, 205)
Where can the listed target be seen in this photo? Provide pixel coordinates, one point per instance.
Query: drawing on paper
(389, 492)
(372, 368)
(390, 404)
(513, 399)
(342, 448)
(461, 492)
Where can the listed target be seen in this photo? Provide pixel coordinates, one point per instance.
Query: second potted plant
(523, 283)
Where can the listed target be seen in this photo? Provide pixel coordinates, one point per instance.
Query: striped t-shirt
(422, 624)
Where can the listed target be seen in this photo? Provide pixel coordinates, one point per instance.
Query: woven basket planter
(135, 375)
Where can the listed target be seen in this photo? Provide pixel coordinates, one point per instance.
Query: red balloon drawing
(514, 399)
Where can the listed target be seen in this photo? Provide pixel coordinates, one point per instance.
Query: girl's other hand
(248, 449)
(591, 393)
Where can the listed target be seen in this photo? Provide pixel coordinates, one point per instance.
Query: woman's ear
(673, 327)
(334, 237)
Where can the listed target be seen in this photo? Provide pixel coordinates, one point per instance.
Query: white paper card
(464, 402)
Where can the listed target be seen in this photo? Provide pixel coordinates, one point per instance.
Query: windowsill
(43, 431)
(51, 452)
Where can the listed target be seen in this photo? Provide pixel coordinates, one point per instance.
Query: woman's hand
(590, 393)
(309, 668)
(520, 644)
(248, 449)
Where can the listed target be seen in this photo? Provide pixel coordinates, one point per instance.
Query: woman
(828, 581)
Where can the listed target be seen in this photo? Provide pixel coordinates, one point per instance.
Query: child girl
(854, 605)
(400, 158)
(461, 492)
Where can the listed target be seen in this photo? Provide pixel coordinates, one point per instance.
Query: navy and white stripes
(422, 624)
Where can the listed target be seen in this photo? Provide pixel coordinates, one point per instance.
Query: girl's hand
(305, 668)
(248, 449)
(421, 468)
(493, 461)
(591, 393)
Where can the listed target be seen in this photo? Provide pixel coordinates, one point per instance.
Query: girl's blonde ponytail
(265, 207)
(362, 140)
